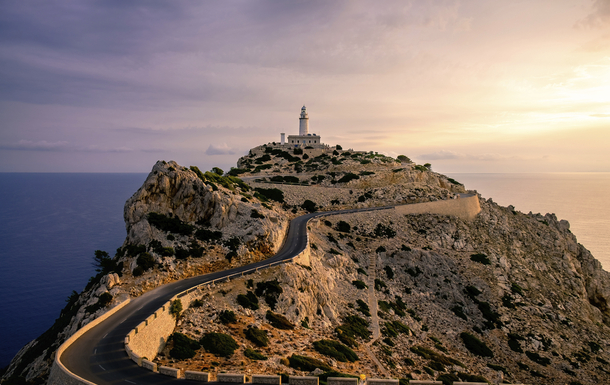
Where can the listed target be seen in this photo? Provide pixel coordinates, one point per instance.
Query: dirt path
(374, 317)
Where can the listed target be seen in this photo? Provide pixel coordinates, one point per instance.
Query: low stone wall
(267, 380)
(60, 375)
(197, 376)
(381, 381)
(149, 337)
(303, 380)
(232, 378)
(464, 207)
(342, 381)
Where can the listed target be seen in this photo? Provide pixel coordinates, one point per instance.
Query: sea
(51, 224)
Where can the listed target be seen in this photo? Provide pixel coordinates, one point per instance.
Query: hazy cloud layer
(467, 84)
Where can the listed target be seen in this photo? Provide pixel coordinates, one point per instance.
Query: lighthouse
(304, 139)
(303, 122)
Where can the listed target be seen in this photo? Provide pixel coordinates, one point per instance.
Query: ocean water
(50, 225)
(580, 198)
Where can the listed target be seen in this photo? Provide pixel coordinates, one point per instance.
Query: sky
(468, 86)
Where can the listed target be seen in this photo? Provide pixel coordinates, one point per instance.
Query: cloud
(489, 157)
(222, 149)
(600, 115)
(41, 145)
(599, 17)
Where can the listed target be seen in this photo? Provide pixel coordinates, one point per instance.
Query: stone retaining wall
(463, 207)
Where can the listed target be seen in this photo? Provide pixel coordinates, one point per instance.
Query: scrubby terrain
(423, 296)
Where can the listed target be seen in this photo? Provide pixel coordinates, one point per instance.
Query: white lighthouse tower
(304, 139)
(303, 122)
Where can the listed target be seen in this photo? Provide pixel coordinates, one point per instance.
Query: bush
(335, 350)
(343, 226)
(384, 231)
(434, 356)
(481, 258)
(278, 321)
(306, 364)
(175, 308)
(219, 344)
(248, 301)
(145, 261)
(389, 272)
(257, 336)
(184, 347)
(348, 177)
(256, 214)
(171, 224)
(359, 284)
(227, 317)
(379, 284)
(254, 355)
(208, 235)
(513, 342)
(309, 206)
(270, 290)
(459, 311)
(363, 308)
(273, 194)
(475, 345)
(352, 327)
(138, 271)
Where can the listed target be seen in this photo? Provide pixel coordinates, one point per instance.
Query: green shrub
(471, 377)
(348, 177)
(434, 356)
(171, 224)
(499, 369)
(362, 271)
(248, 300)
(459, 311)
(335, 350)
(306, 364)
(103, 301)
(388, 341)
(481, 258)
(258, 336)
(475, 345)
(208, 235)
(256, 214)
(270, 290)
(380, 249)
(254, 355)
(197, 303)
(309, 206)
(513, 342)
(273, 194)
(516, 289)
(352, 327)
(343, 227)
(184, 347)
(383, 231)
(436, 366)
(227, 317)
(138, 271)
(219, 344)
(175, 308)
(359, 284)
(278, 321)
(145, 261)
(379, 284)
(389, 272)
(448, 378)
(363, 308)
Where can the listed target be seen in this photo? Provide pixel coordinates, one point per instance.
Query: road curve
(99, 355)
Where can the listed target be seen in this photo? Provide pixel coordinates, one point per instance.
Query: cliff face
(519, 284)
(415, 296)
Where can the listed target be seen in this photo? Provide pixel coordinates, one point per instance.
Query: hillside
(385, 294)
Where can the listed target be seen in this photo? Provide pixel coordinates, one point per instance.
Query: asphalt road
(99, 355)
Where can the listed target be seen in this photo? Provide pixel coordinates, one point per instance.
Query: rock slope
(507, 294)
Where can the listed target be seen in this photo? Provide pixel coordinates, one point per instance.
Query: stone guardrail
(60, 375)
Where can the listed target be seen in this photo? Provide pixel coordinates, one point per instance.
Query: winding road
(99, 355)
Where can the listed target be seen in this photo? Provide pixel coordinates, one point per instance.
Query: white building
(304, 139)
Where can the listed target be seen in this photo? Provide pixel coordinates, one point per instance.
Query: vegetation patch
(359, 284)
(363, 308)
(219, 344)
(343, 226)
(480, 258)
(459, 311)
(434, 356)
(348, 177)
(309, 206)
(352, 327)
(270, 291)
(273, 194)
(335, 350)
(537, 358)
(227, 317)
(208, 235)
(475, 345)
(278, 321)
(248, 300)
(254, 355)
(257, 336)
(305, 363)
(184, 347)
(170, 224)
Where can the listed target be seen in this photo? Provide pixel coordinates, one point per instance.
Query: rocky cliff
(506, 294)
